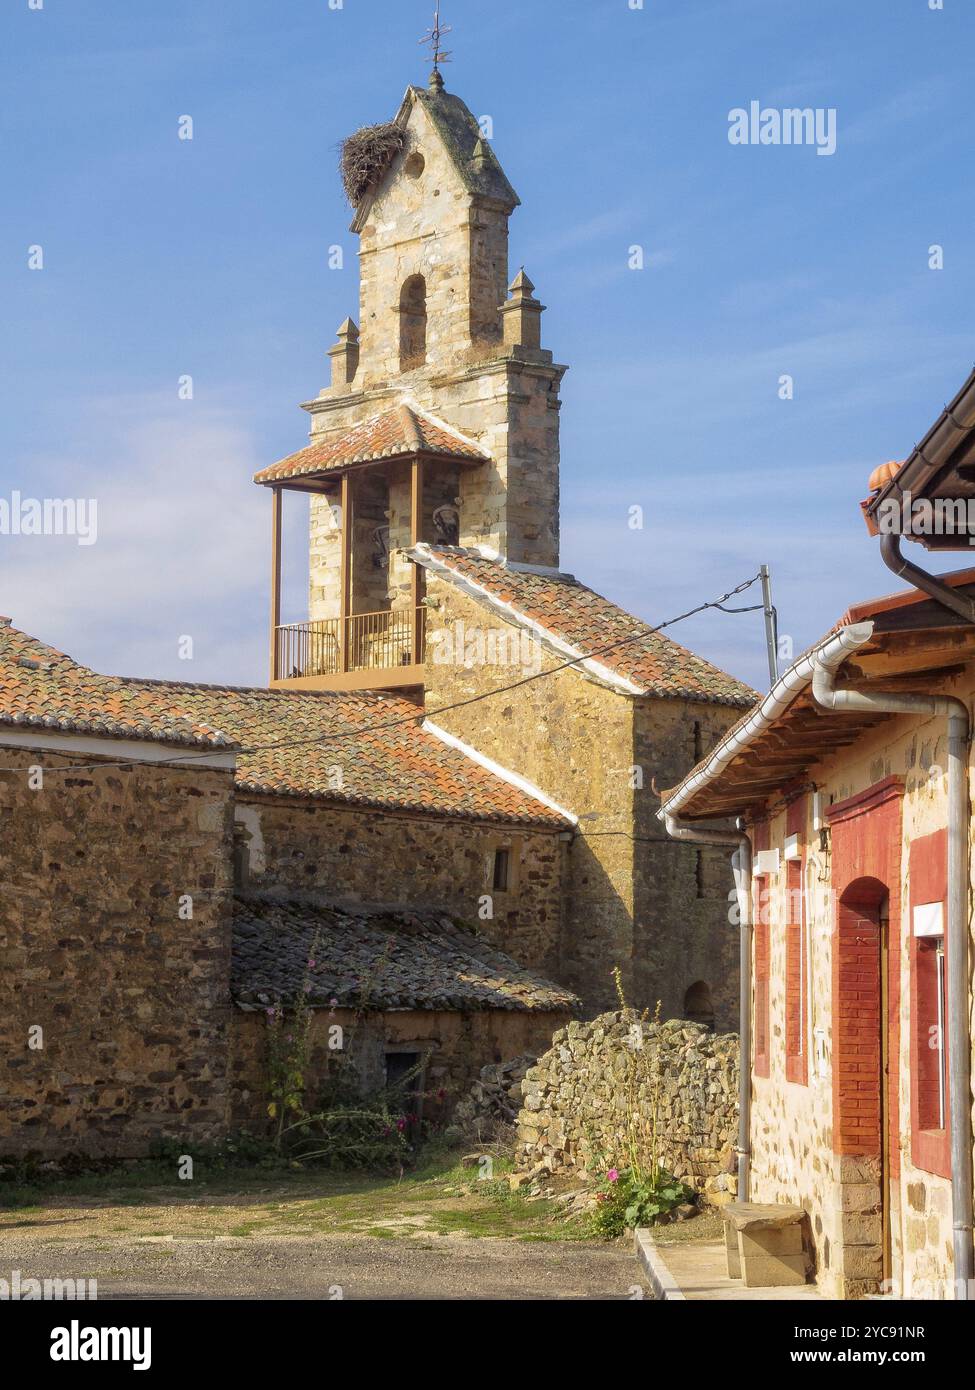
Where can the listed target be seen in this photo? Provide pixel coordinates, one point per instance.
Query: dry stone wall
(578, 1097)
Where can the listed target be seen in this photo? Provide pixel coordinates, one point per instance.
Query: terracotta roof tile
(44, 689)
(328, 747)
(572, 614)
(397, 432)
(386, 960)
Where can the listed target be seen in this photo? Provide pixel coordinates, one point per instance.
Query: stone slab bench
(764, 1243)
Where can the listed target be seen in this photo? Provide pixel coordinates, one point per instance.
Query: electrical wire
(181, 759)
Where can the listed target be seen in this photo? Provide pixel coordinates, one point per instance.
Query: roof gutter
(959, 1036)
(953, 427)
(839, 645)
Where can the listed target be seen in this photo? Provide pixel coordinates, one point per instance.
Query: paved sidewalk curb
(663, 1283)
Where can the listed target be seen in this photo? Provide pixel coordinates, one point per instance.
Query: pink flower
(613, 1175)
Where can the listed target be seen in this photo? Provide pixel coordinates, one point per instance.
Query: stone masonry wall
(363, 858)
(683, 936)
(131, 994)
(578, 1096)
(458, 1046)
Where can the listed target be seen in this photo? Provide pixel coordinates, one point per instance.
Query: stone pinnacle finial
(522, 314)
(345, 355)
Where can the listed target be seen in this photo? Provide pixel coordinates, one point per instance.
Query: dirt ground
(312, 1237)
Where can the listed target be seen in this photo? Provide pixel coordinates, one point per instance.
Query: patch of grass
(440, 1196)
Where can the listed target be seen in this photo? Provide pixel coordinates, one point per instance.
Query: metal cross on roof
(433, 37)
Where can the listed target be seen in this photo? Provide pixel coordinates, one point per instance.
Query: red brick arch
(866, 867)
(856, 1017)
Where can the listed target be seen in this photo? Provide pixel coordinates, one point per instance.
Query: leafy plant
(341, 1126)
(642, 1191)
(625, 1200)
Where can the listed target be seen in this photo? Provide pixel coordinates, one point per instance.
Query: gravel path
(346, 1266)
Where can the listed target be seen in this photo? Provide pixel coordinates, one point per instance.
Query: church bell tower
(441, 419)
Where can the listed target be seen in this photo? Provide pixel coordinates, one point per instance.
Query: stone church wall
(363, 857)
(131, 994)
(686, 944)
(640, 903)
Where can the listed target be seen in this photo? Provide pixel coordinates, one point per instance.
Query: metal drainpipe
(959, 1038)
(890, 552)
(741, 862)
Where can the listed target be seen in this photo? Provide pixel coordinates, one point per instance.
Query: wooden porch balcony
(365, 651)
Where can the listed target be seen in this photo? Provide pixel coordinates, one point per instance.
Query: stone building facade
(167, 849)
(383, 772)
(850, 1104)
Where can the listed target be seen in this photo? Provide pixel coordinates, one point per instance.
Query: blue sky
(209, 257)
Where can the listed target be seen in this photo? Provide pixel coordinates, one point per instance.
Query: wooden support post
(417, 578)
(346, 592)
(275, 577)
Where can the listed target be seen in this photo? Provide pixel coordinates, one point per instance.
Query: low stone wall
(577, 1099)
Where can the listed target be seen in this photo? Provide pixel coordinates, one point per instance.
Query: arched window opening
(413, 324)
(698, 1007)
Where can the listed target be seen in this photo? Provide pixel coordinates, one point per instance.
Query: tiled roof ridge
(348, 697)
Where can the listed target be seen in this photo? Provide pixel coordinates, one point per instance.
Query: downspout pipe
(741, 862)
(959, 1038)
(890, 551)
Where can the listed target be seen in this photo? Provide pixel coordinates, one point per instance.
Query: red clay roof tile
(589, 623)
(397, 432)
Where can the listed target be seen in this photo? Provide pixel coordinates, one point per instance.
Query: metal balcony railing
(362, 642)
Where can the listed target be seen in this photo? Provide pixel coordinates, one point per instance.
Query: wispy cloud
(181, 551)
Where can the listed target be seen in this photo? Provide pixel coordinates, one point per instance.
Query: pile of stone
(602, 1081)
(494, 1100)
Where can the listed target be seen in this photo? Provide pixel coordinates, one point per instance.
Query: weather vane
(433, 37)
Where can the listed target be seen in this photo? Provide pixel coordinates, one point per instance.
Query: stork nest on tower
(367, 155)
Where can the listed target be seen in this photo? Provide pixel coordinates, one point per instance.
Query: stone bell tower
(441, 420)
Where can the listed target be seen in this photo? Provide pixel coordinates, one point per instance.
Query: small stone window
(415, 165)
(413, 324)
(501, 871)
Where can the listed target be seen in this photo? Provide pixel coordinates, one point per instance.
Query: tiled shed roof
(397, 432)
(382, 961)
(569, 613)
(398, 765)
(41, 688)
